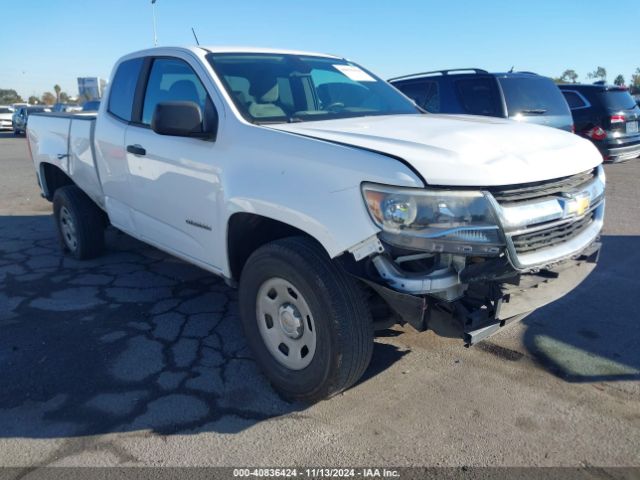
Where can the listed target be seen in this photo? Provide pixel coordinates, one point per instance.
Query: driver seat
(266, 92)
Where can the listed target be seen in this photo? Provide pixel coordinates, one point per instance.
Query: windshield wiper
(538, 111)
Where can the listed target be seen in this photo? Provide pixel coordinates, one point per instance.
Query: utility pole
(155, 32)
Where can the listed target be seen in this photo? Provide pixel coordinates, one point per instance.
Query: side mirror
(181, 119)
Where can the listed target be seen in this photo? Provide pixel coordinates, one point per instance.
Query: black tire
(343, 323)
(87, 219)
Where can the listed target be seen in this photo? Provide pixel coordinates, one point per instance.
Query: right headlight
(451, 221)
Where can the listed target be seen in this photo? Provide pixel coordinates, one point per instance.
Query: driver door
(174, 180)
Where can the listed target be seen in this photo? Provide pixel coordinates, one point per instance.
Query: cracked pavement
(155, 341)
(136, 358)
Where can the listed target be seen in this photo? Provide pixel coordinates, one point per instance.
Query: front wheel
(305, 319)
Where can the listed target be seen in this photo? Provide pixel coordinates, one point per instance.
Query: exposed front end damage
(550, 244)
(495, 299)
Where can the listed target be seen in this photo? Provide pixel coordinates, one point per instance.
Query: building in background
(91, 88)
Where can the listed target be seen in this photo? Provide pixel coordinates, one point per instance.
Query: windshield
(5, 110)
(617, 100)
(276, 88)
(533, 96)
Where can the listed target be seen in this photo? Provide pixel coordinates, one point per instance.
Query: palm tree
(57, 89)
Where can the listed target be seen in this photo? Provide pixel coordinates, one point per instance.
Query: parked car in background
(522, 96)
(66, 107)
(608, 116)
(637, 99)
(6, 112)
(334, 203)
(91, 106)
(21, 117)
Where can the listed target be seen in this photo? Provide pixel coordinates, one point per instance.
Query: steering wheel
(335, 106)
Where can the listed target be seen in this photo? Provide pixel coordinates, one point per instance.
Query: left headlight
(447, 221)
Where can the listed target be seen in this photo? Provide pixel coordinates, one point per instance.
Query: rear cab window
(531, 96)
(123, 89)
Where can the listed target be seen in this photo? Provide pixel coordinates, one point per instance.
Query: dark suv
(21, 117)
(608, 116)
(522, 96)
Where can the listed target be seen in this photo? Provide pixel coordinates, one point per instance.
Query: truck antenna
(195, 36)
(155, 31)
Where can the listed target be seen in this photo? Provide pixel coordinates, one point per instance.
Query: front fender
(337, 222)
(310, 184)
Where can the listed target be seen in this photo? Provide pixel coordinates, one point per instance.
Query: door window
(123, 89)
(172, 80)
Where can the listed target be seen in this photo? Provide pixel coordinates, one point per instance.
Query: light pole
(155, 32)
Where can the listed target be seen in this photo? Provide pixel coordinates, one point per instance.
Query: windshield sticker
(355, 73)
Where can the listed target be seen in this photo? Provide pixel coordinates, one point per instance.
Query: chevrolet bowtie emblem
(579, 204)
(583, 205)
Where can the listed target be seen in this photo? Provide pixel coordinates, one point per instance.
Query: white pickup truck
(335, 205)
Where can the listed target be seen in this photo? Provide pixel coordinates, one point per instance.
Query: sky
(47, 42)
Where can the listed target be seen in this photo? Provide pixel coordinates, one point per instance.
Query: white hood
(462, 150)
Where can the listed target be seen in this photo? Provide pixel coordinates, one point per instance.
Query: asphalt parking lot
(137, 358)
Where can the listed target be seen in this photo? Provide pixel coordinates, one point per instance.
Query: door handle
(136, 150)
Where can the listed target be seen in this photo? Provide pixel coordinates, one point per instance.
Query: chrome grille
(551, 237)
(530, 191)
(546, 222)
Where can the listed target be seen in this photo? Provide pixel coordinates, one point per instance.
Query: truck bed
(66, 140)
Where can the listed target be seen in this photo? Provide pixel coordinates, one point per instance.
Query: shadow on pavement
(133, 340)
(592, 334)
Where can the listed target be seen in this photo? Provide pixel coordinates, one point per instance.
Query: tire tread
(90, 224)
(355, 336)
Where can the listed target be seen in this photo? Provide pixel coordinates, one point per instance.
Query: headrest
(184, 90)
(265, 88)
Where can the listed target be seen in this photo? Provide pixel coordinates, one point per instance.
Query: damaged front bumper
(548, 244)
(459, 281)
(495, 296)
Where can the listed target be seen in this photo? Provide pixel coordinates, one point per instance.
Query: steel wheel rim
(286, 323)
(68, 229)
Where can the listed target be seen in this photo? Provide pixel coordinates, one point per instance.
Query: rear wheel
(305, 319)
(79, 221)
